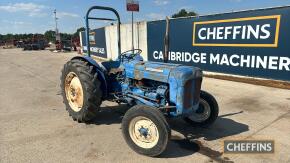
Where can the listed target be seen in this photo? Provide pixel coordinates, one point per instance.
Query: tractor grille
(197, 90)
(192, 92)
(188, 94)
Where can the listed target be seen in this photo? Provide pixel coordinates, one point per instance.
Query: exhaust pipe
(166, 42)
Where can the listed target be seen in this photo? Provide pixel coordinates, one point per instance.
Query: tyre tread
(91, 87)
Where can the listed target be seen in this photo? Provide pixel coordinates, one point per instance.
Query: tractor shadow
(110, 115)
(187, 141)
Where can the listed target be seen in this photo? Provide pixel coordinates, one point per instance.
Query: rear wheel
(145, 130)
(80, 90)
(207, 112)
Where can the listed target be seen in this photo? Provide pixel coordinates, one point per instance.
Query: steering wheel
(130, 53)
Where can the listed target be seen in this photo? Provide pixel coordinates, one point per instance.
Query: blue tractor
(155, 91)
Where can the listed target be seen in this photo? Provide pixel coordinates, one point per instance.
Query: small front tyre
(146, 130)
(207, 112)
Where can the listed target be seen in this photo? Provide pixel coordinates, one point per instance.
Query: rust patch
(137, 74)
(116, 70)
(188, 94)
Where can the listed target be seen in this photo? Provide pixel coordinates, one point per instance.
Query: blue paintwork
(141, 70)
(178, 86)
(160, 85)
(143, 131)
(175, 76)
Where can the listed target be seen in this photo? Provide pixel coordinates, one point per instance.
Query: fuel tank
(184, 82)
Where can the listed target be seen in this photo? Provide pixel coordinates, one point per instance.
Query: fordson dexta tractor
(155, 91)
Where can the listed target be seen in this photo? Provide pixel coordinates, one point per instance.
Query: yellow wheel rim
(143, 132)
(74, 91)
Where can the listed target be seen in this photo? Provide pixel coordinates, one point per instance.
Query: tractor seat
(111, 67)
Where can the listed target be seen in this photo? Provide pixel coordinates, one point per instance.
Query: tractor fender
(99, 69)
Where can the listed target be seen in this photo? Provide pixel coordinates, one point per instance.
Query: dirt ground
(35, 127)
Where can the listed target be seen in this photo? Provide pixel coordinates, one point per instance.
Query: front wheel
(145, 130)
(207, 112)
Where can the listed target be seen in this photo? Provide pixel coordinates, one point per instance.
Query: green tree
(76, 34)
(65, 36)
(8, 37)
(184, 13)
(50, 36)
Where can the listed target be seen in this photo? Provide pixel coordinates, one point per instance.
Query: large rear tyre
(207, 112)
(81, 90)
(146, 130)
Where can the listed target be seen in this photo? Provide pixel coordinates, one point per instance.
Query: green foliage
(184, 13)
(65, 36)
(10, 37)
(76, 34)
(50, 36)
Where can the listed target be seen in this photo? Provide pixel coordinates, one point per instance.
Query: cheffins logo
(262, 31)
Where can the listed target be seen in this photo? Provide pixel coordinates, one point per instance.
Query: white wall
(140, 39)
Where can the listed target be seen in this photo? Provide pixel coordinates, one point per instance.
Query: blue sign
(253, 43)
(97, 39)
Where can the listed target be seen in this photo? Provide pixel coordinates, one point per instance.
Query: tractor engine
(153, 91)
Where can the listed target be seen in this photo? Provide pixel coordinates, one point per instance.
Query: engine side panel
(149, 70)
(185, 82)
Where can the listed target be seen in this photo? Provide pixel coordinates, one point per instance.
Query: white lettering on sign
(246, 32)
(235, 60)
(96, 49)
(259, 31)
